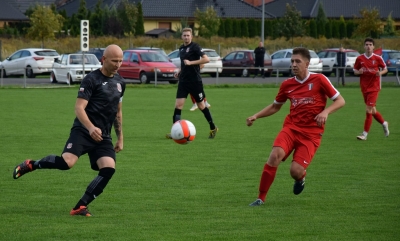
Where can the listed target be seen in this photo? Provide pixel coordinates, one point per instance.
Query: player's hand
(187, 62)
(360, 71)
(176, 74)
(119, 145)
(95, 133)
(250, 120)
(321, 118)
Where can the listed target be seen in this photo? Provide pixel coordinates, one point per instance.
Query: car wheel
(173, 81)
(53, 78)
(69, 79)
(29, 72)
(3, 73)
(245, 73)
(143, 78)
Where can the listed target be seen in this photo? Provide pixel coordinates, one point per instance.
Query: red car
(143, 64)
(241, 63)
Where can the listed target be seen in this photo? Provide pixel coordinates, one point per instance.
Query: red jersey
(308, 98)
(369, 81)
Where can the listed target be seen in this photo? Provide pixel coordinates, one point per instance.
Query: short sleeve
(86, 88)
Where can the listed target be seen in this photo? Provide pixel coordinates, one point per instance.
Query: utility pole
(262, 22)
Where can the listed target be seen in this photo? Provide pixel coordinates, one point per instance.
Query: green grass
(201, 191)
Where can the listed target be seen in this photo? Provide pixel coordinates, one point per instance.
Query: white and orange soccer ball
(183, 132)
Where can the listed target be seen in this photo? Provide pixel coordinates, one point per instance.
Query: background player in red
(303, 126)
(370, 67)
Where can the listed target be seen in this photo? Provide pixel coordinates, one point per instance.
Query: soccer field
(201, 191)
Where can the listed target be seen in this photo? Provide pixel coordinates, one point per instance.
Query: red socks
(267, 178)
(378, 117)
(368, 122)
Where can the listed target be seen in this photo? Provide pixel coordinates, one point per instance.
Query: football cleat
(362, 137)
(257, 202)
(213, 133)
(385, 126)
(194, 107)
(81, 211)
(23, 168)
(299, 186)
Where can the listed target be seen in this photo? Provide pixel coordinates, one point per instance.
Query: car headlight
(157, 69)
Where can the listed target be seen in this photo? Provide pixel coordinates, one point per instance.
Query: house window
(166, 25)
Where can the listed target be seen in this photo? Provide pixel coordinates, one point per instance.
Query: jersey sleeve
(357, 64)
(381, 62)
(281, 97)
(86, 88)
(329, 89)
(198, 51)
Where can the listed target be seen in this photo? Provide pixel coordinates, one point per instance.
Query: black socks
(51, 162)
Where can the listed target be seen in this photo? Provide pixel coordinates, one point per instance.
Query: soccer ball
(183, 132)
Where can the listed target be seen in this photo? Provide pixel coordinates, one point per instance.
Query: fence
(158, 77)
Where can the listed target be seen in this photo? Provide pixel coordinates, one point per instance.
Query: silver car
(31, 62)
(209, 68)
(281, 60)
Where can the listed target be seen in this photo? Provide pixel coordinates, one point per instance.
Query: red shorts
(304, 147)
(370, 98)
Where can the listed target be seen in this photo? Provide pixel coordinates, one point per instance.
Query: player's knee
(107, 172)
(70, 160)
(296, 170)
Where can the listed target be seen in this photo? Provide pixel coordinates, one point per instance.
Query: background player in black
(190, 81)
(259, 53)
(97, 108)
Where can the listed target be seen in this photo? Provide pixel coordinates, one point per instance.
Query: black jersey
(103, 95)
(190, 52)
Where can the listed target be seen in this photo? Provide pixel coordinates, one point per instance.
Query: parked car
(328, 57)
(98, 52)
(30, 61)
(160, 50)
(392, 60)
(241, 62)
(69, 68)
(142, 65)
(209, 68)
(281, 60)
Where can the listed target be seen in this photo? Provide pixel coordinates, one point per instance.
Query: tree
(291, 24)
(82, 11)
(221, 30)
(252, 25)
(237, 30)
(96, 20)
(350, 28)
(178, 28)
(44, 24)
(112, 23)
(228, 28)
(328, 29)
(208, 22)
(140, 21)
(335, 29)
(128, 14)
(369, 24)
(313, 29)
(342, 28)
(244, 27)
(388, 29)
(267, 28)
(321, 20)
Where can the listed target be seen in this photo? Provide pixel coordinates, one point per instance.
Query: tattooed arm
(118, 129)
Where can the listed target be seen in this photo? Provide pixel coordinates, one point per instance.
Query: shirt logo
(81, 89)
(187, 50)
(119, 87)
(69, 146)
(310, 86)
(104, 83)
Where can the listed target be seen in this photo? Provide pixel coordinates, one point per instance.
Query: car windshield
(211, 53)
(46, 53)
(77, 59)
(153, 57)
(394, 55)
(352, 54)
(313, 54)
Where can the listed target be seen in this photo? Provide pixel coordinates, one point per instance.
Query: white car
(29, 62)
(328, 57)
(69, 67)
(209, 68)
(281, 60)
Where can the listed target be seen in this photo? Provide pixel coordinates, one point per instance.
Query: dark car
(241, 63)
(392, 60)
(98, 52)
(143, 64)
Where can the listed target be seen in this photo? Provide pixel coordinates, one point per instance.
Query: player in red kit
(303, 126)
(370, 67)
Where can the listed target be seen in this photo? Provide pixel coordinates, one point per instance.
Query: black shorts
(194, 88)
(80, 143)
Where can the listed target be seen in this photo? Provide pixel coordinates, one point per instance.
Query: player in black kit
(190, 81)
(98, 108)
